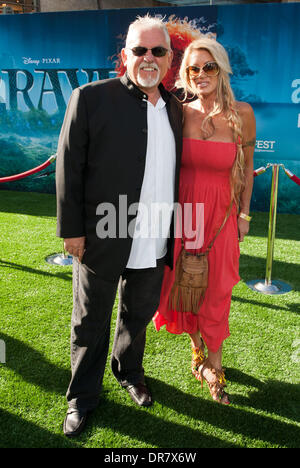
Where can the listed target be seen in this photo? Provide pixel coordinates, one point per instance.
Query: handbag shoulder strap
(221, 227)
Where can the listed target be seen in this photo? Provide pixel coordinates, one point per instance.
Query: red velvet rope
(292, 176)
(30, 172)
(259, 171)
(52, 158)
(296, 179)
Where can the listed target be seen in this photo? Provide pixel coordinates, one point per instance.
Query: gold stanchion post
(268, 286)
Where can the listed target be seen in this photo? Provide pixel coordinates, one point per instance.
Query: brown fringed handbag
(191, 277)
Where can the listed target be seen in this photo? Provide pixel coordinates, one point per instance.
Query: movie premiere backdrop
(43, 57)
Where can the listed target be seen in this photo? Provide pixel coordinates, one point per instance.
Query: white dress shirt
(157, 193)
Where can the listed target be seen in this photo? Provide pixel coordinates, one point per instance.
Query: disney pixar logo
(43, 61)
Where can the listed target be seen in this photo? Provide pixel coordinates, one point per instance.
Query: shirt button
(144, 130)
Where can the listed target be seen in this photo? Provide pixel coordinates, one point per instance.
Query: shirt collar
(135, 90)
(159, 105)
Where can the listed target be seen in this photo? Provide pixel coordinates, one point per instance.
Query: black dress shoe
(140, 394)
(74, 422)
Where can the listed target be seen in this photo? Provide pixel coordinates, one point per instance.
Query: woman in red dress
(217, 169)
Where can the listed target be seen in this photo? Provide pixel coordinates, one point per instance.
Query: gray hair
(148, 22)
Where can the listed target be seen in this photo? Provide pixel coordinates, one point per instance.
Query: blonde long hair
(225, 102)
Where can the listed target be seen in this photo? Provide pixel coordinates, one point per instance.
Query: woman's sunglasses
(158, 51)
(210, 69)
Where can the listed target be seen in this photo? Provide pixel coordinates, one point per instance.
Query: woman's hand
(243, 228)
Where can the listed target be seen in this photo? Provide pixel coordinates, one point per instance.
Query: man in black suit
(119, 147)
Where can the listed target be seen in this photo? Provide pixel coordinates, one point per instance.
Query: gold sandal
(216, 382)
(198, 358)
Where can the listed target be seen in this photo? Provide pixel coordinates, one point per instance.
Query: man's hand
(75, 246)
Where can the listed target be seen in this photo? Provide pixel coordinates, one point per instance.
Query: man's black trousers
(93, 301)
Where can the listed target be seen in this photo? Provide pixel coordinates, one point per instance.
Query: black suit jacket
(101, 155)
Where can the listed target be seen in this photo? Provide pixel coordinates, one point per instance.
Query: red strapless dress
(205, 178)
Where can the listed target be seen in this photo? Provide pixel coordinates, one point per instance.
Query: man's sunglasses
(210, 69)
(158, 51)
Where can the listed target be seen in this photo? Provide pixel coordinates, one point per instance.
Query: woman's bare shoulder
(244, 108)
(190, 107)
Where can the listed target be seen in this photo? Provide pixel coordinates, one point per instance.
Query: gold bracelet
(246, 217)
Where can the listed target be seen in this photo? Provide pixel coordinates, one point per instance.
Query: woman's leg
(196, 340)
(216, 358)
(211, 370)
(198, 353)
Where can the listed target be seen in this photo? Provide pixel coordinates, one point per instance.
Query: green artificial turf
(261, 357)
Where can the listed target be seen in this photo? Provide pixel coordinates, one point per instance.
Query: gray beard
(149, 82)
